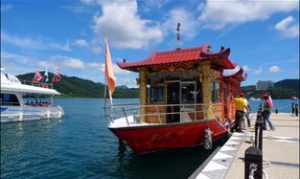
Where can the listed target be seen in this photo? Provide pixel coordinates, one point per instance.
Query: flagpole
(105, 93)
(106, 82)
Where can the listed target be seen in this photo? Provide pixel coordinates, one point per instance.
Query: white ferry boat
(24, 102)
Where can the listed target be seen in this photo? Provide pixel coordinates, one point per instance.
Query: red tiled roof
(179, 56)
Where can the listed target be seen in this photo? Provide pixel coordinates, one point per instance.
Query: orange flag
(109, 74)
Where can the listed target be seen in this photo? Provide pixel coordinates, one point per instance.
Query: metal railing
(160, 111)
(38, 84)
(32, 103)
(6, 103)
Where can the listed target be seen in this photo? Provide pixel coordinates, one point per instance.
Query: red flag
(57, 77)
(37, 77)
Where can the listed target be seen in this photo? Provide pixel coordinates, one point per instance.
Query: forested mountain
(283, 89)
(71, 86)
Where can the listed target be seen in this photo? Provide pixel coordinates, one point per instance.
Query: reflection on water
(81, 146)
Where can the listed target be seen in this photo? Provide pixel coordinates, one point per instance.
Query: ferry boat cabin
(186, 99)
(185, 85)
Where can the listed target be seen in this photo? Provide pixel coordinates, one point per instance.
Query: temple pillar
(205, 79)
(143, 92)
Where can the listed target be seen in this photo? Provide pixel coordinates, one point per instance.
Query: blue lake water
(80, 146)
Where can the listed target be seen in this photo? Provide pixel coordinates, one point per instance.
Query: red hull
(144, 139)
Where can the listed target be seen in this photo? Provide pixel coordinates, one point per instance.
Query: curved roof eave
(181, 56)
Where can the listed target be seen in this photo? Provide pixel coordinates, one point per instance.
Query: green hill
(292, 84)
(71, 86)
(283, 89)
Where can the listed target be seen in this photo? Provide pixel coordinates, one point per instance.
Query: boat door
(173, 101)
(188, 100)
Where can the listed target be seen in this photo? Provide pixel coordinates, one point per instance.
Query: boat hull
(27, 113)
(145, 139)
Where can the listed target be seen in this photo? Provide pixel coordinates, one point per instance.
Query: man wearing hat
(241, 104)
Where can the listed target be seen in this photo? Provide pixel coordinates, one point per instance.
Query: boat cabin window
(9, 100)
(156, 93)
(215, 95)
(36, 100)
(188, 92)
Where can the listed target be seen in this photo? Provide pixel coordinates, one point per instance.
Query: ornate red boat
(186, 99)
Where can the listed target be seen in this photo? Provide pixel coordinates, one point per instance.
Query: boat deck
(280, 152)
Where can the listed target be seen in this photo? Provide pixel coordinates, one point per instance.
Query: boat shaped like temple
(183, 94)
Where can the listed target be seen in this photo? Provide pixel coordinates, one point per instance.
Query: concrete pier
(280, 152)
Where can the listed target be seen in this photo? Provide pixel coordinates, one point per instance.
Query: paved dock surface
(280, 150)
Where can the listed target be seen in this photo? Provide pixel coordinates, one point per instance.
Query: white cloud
(117, 70)
(19, 64)
(288, 27)
(254, 70)
(16, 63)
(218, 14)
(64, 47)
(81, 43)
(247, 68)
(94, 65)
(96, 49)
(123, 77)
(30, 43)
(258, 71)
(123, 26)
(274, 69)
(188, 22)
(73, 63)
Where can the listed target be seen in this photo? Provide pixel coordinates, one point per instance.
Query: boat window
(215, 95)
(36, 100)
(156, 93)
(200, 95)
(188, 93)
(9, 100)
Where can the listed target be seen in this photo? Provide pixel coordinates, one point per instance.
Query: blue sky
(68, 34)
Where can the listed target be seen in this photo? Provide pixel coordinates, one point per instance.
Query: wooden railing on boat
(157, 113)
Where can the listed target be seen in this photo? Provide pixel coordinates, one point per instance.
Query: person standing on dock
(293, 108)
(241, 104)
(276, 111)
(267, 108)
(248, 115)
(296, 109)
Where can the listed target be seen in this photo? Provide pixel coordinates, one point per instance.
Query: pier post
(253, 163)
(253, 154)
(259, 125)
(143, 93)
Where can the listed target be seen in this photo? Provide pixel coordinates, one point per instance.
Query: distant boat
(23, 102)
